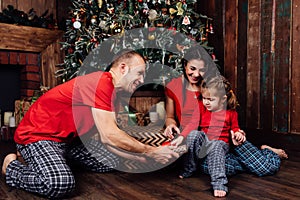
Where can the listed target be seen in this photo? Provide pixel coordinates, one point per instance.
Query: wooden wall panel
(295, 69)
(282, 65)
(230, 41)
(25, 5)
(253, 65)
(267, 54)
(50, 57)
(5, 3)
(242, 60)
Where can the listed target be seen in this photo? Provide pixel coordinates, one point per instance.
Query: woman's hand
(171, 131)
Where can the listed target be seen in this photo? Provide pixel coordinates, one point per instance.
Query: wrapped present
(151, 134)
(21, 107)
(142, 119)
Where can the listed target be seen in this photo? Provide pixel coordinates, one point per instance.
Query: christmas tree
(136, 24)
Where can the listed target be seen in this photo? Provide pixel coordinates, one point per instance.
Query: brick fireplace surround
(30, 69)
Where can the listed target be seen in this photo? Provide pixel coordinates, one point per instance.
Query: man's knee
(59, 186)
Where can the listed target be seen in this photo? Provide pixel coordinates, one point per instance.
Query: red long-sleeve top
(216, 125)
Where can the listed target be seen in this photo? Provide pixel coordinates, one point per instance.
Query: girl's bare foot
(8, 159)
(219, 193)
(280, 152)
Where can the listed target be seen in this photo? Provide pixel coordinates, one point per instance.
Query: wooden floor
(164, 184)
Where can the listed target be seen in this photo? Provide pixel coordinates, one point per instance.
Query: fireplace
(33, 54)
(29, 64)
(20, 77)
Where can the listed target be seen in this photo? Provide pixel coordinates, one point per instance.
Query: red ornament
(93, 40)
(73, 20)
(152, 29)
(211, 28)
(70, 51)
(140, 1)
(213, 56)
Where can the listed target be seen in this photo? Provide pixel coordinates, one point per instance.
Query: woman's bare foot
(219, 193)
(8, 159)
(280, 152)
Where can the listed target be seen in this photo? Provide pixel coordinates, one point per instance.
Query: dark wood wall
(261, 59)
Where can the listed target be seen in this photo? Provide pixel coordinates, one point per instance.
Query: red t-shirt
(216, 125)
(183, 110)
(64, 112)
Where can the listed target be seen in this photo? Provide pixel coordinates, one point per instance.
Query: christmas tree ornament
(186, 20)
(146, 25)
(213, 56)
(207, 26)
(151, 37)
(110, 9)
(100, 3)
(172, 11)
(164, 11)
(94, 20)
(152, 15)
(211, 29)
(116, 29)
(180, 10)
(77, 24)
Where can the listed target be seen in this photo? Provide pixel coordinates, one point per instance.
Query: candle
(160, 109)
(12, 121)
(7, 115)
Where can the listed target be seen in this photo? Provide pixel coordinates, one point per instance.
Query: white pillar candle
(153, 116)
(7, 115)
(12, 121)
(160, 109)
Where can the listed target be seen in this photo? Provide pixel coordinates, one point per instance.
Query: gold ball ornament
(151, 37)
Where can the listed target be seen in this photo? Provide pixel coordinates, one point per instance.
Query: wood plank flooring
(164, 184)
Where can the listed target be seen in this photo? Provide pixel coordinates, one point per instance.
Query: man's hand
(171, 130)
(163, 154)
(177, 141)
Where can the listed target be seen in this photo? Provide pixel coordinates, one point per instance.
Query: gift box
(21, 107)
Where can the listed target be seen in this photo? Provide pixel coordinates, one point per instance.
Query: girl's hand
(176, 142)
(171, 131)
(238, 137)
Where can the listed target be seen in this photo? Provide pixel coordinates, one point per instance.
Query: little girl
(218, 125)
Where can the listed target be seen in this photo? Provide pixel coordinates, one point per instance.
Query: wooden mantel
(36, 40)
(25, 38)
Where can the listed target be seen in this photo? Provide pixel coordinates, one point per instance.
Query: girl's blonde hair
(222, 87)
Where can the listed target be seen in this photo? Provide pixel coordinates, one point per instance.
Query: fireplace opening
(10, 86)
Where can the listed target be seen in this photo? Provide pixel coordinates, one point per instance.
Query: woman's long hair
(198, 53)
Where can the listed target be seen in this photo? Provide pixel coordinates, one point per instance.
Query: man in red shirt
(49, 132)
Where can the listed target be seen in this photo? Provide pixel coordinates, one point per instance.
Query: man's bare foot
(280, 152)
(8, 159)
(219, 193)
